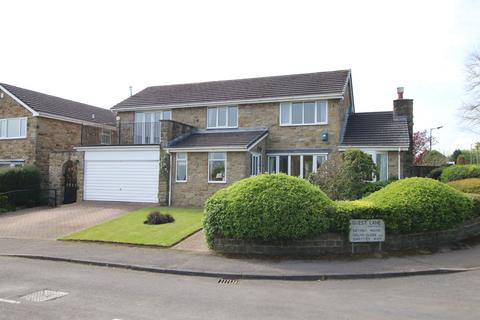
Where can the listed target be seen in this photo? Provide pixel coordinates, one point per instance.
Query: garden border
(336, 243)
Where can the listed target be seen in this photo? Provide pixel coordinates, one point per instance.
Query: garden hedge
(267, 207)
(23, 178)
(471, 185)
(459, 172)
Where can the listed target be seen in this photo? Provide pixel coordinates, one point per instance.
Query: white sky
(92, 51)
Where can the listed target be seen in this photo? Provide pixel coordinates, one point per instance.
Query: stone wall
(196, 190)
(56, 172)
(332, 243)
(21, 149)
(54, 135)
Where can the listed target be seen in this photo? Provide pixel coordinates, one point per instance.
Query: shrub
(371, 187)
(267, 207)
(24, 178)
(471, 185)
(4, 207)
(436, 173)
(461, 160)
(158, 218)
(475, 212)
(459, 172)
(343, 211)
(344, 175)
(420, 204)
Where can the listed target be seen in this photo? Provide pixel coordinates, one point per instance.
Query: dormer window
(303, 113)
(222, 117)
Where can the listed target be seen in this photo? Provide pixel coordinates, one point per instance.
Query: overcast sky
(92, 51)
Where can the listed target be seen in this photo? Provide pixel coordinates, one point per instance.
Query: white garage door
(130, 175)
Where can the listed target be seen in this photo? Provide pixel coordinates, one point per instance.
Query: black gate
(70, 175)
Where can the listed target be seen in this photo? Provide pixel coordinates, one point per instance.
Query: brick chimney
(404, 108)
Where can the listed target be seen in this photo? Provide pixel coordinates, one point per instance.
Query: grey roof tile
(220, 138)
(330, 82)
(41, 102)
(376, 129)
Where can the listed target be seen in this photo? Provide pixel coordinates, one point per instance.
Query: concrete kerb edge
(243, 276)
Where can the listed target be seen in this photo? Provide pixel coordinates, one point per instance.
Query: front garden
(137, 227)
(279, 208)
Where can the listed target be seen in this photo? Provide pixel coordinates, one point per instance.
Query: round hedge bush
(266, 207)
(420, 204)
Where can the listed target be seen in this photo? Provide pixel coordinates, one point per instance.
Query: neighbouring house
(178, 144)
(34, 127)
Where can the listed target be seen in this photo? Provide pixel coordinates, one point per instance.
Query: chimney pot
(400, 93)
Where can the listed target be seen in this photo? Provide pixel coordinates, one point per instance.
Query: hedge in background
(460, 172)
(471, 185)
(267, 207)
(23, 178)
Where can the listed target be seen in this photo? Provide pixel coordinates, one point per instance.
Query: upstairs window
(303, 113)
(13, 128)
(222, 117)
(106, 136)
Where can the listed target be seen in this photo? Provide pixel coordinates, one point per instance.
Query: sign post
(363, 230)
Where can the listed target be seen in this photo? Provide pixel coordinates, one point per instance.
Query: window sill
(182, 181)
(14, 138)
(217, 182)
(304, 125)
(219, 128)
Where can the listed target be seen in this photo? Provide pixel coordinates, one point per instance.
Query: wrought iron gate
(70, 175)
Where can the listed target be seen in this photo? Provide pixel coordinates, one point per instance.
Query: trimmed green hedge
(409, 206)
(470, 185)
(23, 178)
(459, 172)
(267, 207)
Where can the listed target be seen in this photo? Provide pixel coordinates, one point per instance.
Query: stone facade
(197, 189)
(18, 149)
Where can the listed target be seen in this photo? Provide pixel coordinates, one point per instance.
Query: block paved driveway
(53, 223)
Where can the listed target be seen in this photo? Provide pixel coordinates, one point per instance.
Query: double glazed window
(181, 167)
(13, 128)
(217, 167)
(255, 164)
(11, 163)
(301, 165)
(304, 113)
(106, 136)
(147, 126)
(222, 117)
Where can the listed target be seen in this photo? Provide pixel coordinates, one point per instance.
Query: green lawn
(131, 229)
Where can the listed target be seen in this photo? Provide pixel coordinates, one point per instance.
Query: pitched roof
(319, 83)
(44, 103)
(220, 138)
(376, 129)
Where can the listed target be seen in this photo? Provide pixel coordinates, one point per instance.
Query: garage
(122, 174)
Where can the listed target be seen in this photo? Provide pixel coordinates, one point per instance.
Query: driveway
(53, 223)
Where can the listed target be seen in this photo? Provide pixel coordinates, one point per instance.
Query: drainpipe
(170, 181)
(399, 170)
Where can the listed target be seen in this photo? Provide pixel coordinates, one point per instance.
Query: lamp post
(431, 129)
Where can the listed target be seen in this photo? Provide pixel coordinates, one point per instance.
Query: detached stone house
(178, 144)
(34, 126)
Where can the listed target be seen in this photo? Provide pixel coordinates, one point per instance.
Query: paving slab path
(207, 264)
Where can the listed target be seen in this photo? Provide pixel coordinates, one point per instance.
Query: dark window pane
(295, 170)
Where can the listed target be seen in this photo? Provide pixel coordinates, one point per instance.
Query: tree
(343, 176)
(421, 143)
(434, 158)
(455, 155)
(471, 109)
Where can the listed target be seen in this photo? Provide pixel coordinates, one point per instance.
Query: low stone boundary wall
(334, 243)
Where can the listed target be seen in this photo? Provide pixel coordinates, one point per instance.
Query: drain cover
(228, 281)
(44, 295)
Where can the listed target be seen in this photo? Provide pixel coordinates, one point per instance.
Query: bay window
(181, 167)
(300, 165)
(217, 167)
(222, 117)
(304, 113)
(13, 128)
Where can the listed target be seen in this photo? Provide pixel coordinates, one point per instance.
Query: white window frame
(290, 108)
(185, 161)
(225, 166)
(289, 155)
(373, 154)
(226, 126)
(255, 162)
(4, 126)
(12, 163)
(106, 133)
(140, 119)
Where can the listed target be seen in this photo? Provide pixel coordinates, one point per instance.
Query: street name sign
(363, 230)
